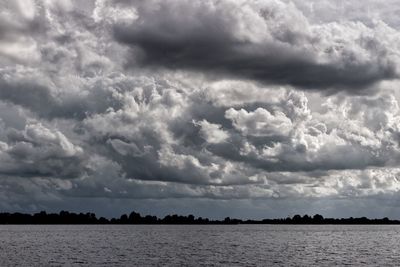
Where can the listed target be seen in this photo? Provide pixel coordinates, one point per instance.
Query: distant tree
(65, 217)
(306, 219)
(134, 218)
(227, 220)
(318, 218)
(296, 218)
(123, 219)
(190, 218)
(103, 220)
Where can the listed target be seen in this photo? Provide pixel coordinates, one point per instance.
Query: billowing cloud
(267, 41)
(39, 152)
(145, 103)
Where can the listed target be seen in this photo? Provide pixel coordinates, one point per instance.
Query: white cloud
(212, 133)
(240, 100)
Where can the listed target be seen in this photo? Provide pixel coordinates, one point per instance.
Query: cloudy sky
(249, 109)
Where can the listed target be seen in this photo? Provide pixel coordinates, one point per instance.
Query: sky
(249, 109)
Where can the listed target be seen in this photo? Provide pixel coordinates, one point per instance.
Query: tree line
(65, 217)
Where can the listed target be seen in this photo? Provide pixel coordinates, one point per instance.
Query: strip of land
(65, 217)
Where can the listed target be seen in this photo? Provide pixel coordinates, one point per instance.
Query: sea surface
(199, 245)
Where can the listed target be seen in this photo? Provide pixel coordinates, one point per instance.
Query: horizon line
(66, 217)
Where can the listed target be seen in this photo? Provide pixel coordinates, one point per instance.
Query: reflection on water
(199, 245)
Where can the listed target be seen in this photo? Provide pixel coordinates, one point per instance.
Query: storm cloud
(266, 41)
(239, 108)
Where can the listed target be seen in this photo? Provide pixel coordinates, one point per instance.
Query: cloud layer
(256, 108)
(266, 41)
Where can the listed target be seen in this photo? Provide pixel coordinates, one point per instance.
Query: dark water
(162, 245)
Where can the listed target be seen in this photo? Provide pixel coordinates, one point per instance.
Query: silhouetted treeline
(65, 217)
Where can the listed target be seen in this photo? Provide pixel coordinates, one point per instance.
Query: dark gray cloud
(38, 151)
(270, 43)
(47, 101)
(237, 132)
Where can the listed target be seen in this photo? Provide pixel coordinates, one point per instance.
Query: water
(199, 245)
